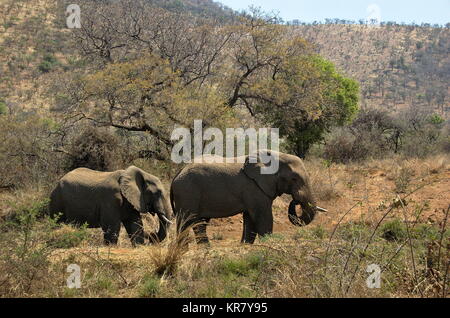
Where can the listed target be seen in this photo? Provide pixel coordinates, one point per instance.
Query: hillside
(398, 66)
(206, 8)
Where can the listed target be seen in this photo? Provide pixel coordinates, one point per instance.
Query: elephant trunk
(160, 236)
(308, 213)
(163, 227)
(164, 213)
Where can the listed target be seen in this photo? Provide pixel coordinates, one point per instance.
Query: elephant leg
(249, 232)
(200, 232)
(151, 237)
(111, 234)
(183, 224)
(135, 230)
(263, 220)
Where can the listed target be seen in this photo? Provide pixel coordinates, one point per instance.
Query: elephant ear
(131, 185)
(252, 168)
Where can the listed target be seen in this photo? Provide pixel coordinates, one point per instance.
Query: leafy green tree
(316, 98)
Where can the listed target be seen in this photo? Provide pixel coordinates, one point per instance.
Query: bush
(24, 255)
(26, 143)
(375, 133)
(95, 149)
(354, 230)
(426, 232)
(367, 137)
(403, 179)
(150, 286)
(241, 266)
(394, 230)
(341, 147)
(68, 237)
(24, 212)
(49, 63)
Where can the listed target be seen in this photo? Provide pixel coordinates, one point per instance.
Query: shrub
(319, 232)
(150, 286)
(241, 266)
(48, 63)
(394, 230)
(272, 237)
(353, 230)
(95, 149)
(375, 133)
(24, 255)
(403, 179)
(26, 143)
(166, 260)
(426, 232)
(68, 237)
(341, 147)
(105, 283)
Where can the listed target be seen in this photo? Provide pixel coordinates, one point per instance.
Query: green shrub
(27, 214)
(319, 232)
(105, 283)
(403, 179)
(48, 63)
(310, 232)
(150, 286)
(394, 230)
(68, 237)
(241, 266)
(426, 232)
(352, 230)
(24, 254)
(272, 237)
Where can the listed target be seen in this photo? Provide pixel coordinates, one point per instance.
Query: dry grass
(327, 180)
(304, 265)
(326, 259)
(166, 257)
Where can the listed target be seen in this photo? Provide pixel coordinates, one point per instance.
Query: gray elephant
(202, 191)
(107, 199)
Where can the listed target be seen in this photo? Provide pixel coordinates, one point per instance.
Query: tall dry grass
(321, 260)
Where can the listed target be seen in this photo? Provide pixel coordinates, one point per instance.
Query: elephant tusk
(165, 218)
(318, 208)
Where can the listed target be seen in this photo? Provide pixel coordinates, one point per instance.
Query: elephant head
(146, 194)
(290, 178)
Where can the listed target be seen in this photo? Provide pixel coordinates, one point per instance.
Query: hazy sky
(429, 11)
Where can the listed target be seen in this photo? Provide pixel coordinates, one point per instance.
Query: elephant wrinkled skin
(107, 199)
(202, 191)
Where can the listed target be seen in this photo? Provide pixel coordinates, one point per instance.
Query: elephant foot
(203, 241)
(109, 242)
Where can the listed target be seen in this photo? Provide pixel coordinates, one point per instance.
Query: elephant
(202, 191)
(107, 199)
